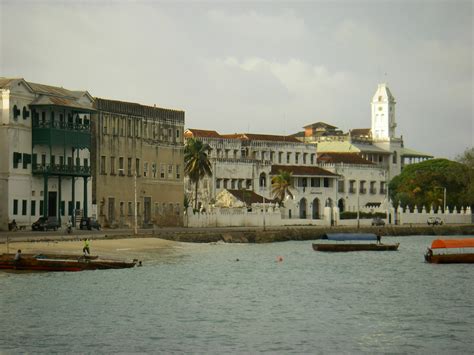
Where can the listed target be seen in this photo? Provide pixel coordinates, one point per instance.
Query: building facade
(45, 143)
(249, 161)
(137, 164)
(378, 144)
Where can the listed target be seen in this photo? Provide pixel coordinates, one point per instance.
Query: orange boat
(451, 251)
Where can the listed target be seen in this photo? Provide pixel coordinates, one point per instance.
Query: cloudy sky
(266, 67)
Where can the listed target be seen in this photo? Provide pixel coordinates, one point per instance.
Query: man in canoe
(86, 248)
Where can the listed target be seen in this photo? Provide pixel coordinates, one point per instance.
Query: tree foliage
(282, 185)
(423, 184)
(196, 162)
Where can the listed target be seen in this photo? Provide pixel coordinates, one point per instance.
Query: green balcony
(56, 133)
(62, 170)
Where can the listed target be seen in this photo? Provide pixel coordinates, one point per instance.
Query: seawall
(304, 233)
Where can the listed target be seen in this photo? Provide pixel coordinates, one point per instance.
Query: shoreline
(232, 235)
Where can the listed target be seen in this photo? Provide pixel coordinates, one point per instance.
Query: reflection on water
(198, 298)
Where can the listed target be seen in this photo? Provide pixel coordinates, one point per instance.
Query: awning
(452, 243)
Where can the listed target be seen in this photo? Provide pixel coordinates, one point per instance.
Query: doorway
(52, 204)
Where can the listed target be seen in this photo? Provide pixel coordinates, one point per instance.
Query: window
(177, 134)
(280, 155)
(297, 158)
(394, 158)
(102, 164)
(145, 169)
(232, 184)
(86, 162)
(130, 209)
(178, 172)
(162, 171)
(304, 158)
(170, 135)
(170, 171)
(62, 207)
(153, 170)
(24, 206)
(326, 182)
(70, 208)
(41, 207)
(288, 158)
(26, 160)
(352, 188)
(248, 183)
(340, 186)
(112, 165)
(16, 159)
(121, 208)
(129, 167)
(311, 159)
(61, 160)
(218, 183)
(362, 187)
(138, 208)
(69, 162)
(315, 182)
(137, 166)
(121, 171)
(15, 207)
(33, 208)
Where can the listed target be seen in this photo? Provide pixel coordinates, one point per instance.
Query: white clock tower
(383, 114)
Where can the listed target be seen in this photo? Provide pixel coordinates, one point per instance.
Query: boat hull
(355, 247)
(450, 259)
(33, 263)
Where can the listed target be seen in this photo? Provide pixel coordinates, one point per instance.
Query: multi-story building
(378, 144)
(45, 142)
(137, 158)
(249, 161)
(362, 184)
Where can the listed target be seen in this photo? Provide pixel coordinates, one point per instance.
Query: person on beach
(86, 248)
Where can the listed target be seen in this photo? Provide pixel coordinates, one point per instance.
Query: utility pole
(135, 209)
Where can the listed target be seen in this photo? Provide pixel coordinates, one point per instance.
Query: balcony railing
(57, 169)
(62, 125)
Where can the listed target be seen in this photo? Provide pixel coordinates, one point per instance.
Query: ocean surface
(196, 298)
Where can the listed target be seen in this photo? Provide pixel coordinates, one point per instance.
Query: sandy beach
(139, 248)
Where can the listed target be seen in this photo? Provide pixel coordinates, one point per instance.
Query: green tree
(467, 158)
(423, 184)
(196, 162)
(282, 185)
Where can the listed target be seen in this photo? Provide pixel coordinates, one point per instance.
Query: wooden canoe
(33, 263)
(346, 247)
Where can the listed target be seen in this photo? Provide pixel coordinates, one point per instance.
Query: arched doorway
(303, 208)
(316, 209)
(263, 180)
(341, 205)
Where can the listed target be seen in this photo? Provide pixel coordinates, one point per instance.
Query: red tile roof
(262, 137)
(201, 133)
(249, 196)
(300, 170)
(345, 158)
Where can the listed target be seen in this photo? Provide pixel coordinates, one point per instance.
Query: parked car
(377, 221)
(45, 223)
(434, 221)
(89, 223)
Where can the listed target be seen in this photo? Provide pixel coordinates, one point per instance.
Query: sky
(267, 67)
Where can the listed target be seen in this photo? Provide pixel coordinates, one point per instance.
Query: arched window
(263, 180)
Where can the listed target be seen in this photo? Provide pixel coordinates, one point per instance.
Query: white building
(249, 161)
(45, 145)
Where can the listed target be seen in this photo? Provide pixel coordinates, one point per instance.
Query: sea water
(197, 298)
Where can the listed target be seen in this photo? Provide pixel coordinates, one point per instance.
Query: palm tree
(282, 184)
(196, 162)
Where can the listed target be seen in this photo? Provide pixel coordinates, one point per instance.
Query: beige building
(137, 155)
